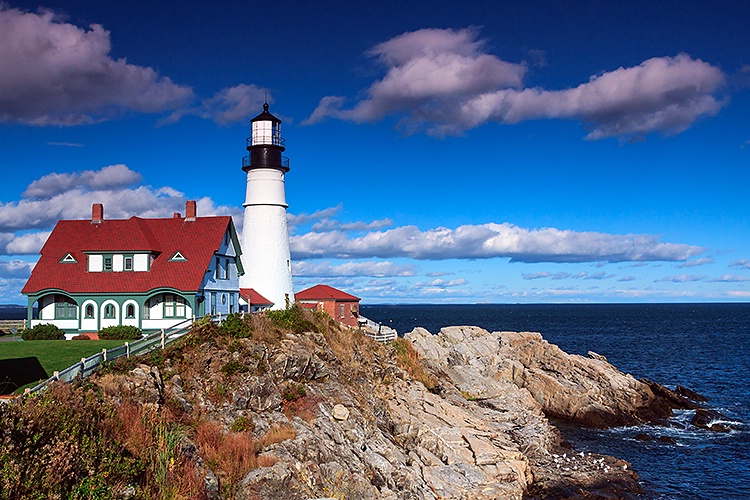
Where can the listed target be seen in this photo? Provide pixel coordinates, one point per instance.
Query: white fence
(87, 366)
(377, 331)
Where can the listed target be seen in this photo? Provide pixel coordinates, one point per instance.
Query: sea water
(700, 346)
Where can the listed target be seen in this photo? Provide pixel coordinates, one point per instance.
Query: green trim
(237, 248)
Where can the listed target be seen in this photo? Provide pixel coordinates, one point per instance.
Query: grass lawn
(23, 364)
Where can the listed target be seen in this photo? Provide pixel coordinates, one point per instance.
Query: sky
(475, 152)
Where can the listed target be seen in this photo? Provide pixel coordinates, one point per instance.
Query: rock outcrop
(364, 428)
(586, 390)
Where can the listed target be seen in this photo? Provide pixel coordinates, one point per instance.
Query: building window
(231, 303)
(218, 269)
(226, 268)
(174, 306)
(89, 311)
(130, 311)
(213, 302)
(128, 263)
(146, 310)
(108, 263)
(109, 311)
(65, 309)
(341, 310)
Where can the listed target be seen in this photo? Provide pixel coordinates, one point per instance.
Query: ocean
(700, 346)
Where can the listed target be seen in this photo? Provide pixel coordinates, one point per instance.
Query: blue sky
(527, 151)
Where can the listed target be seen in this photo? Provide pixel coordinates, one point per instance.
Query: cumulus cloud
(445, 82)
(25, 224)
(351, 269)
(627, 278)
(15, 269)
(488, 241)
(56, 73)
(742, 264)
(295, 220)
(110, 177)
(228, 106)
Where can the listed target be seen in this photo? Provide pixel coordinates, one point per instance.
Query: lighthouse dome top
(265, 116)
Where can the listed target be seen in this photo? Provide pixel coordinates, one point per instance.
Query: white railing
(377, 331)
(87, 366)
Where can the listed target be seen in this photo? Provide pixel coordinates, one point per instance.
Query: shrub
(293, 319)
(242, 424)
(43, 331)
(292, 392)
(121, 332)
(233, 367)
(235, 325)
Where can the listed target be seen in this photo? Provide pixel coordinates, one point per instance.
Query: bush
(293, 318)
(43, 331)
(122, 332)
(235, 325)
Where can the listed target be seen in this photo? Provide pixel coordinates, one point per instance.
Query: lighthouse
(265, 237)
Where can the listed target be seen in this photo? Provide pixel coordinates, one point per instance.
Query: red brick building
(341, 306)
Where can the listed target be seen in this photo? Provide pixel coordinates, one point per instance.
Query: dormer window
(177, 257)
(107, 263)
(68, 259)
(127, 263)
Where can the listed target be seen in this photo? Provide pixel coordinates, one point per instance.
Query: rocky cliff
(332, 414)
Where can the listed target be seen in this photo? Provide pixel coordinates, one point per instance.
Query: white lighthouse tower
(265, 237)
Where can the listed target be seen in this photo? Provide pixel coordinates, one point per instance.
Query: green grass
(54, 355)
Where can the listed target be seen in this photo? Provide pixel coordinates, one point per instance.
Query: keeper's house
(148, 273)
(341, 306)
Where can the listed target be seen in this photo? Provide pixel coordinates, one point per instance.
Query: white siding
(117, 263)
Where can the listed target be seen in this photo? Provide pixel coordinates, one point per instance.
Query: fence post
(127, 350)
(104, 355)
(83, 366)
(162, 338)
(27, 391)
(56, 375)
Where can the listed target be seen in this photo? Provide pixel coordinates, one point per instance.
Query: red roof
(196, 241)
(324, 292)
(254, 298)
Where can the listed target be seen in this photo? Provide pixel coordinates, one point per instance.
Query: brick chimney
(97, 213)
(190, 210)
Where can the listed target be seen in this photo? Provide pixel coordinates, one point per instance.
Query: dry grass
(408, 359)
(232, 455)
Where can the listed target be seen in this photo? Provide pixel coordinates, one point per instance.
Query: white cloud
(25, 223)
(441, 283)
(488, 241)
(372, 268)
(742, 264)
(56, 73)
(681, 278)
(334, 225)
(536, 276)
(301, 219)
(445, 82)
(627, 278)
(111, 177)
(697, 262)
(228, 106)
(15, 269)
(730, 278)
